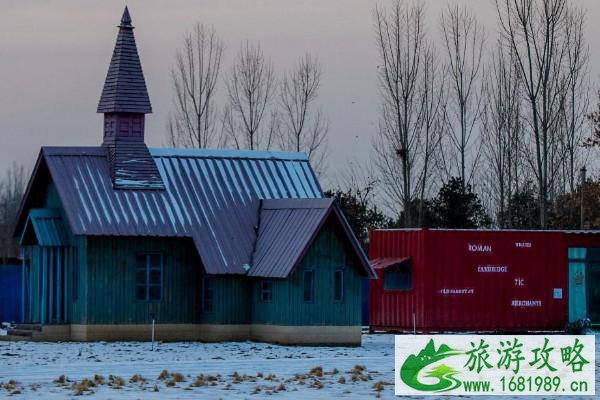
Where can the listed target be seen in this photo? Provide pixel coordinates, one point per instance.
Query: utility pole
(583, 172)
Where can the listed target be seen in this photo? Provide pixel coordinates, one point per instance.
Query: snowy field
(244, 370)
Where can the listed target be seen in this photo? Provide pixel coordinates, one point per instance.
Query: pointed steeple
(125, 19)
(125, 102)
(125, 88)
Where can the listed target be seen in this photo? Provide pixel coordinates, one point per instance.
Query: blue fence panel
(10, 293)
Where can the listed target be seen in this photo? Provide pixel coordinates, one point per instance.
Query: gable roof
(212, 196)
(44, 227)
(288, 227)
(125, 87)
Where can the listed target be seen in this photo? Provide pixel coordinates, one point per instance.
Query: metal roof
(211, 196)
(382, 263)
(44, 227)
(125, 88)
(287, 228)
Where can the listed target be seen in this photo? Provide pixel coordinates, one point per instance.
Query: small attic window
(398, 276)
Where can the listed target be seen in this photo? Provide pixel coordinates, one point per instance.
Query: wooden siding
(101, 284)
(327, 254)
(230, 301)
(33, 296)
(110, 291)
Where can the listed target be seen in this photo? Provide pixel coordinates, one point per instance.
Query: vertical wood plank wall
(327, 254)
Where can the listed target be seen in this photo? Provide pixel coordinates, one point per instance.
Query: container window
(309, 286)
(266, 291)
(398, 277)
(148, 276)
(338, 285)
(207, 294)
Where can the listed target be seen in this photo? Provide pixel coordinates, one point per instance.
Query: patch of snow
(232, 370)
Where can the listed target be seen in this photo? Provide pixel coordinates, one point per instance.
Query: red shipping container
(469, 280)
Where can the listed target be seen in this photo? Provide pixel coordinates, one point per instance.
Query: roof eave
(17, 223)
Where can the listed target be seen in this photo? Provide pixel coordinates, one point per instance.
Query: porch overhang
(44, 227)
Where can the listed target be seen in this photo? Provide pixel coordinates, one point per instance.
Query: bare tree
(303, 128)
(192, 123)
(463, 38)
(432, 95)
(401, 44)
(251, 85)
(12, 187)
(501, 133)
(536, 33)
(577, 98)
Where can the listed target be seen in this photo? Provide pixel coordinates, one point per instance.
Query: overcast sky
(54, 56)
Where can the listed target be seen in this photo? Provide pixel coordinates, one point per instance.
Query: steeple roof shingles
(125, 88)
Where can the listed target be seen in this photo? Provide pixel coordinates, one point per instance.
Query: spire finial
(125, 19)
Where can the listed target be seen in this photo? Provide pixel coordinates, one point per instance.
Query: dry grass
(270, 377)
(199, 381)
(358, 369)
(317, 384)
(177, 377)
(85, 385)
(137, 378)
(98, 379)
(61, 381)
(316, 371)
(357, 374)
(164, 374)
(237, 378)
(116, 381)
(380, 385)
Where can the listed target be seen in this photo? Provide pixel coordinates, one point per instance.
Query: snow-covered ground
(197, 370)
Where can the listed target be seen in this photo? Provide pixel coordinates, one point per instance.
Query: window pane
(155, 276)
(309, 285)
(140, 261)
(140, 277)
(397, 278)
(148, 276)
(338, 290)
(140, 292)
(266, 293)
(155, 260)
(155, 292)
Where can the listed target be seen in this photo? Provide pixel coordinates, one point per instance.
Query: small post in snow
(153, 320)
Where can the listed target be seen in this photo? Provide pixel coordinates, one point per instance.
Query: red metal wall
(451, 289)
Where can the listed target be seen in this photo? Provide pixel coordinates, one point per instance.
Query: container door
(577, 288)
(592, 278)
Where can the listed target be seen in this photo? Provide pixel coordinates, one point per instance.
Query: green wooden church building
(210, 244)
